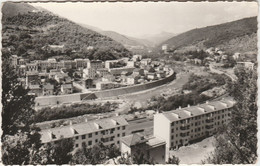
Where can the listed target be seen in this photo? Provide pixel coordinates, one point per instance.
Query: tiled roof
(70, 131)
(192, 111)
(134, 139)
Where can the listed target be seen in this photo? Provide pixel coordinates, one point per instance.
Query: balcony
(209, 120)
(185, 127)
(185, 134)
(210, 127)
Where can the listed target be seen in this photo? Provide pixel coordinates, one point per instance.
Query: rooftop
(200, 109)
(70, 131)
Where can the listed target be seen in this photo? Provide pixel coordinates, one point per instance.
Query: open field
(195, 153)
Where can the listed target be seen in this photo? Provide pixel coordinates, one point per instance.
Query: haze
(138, 19)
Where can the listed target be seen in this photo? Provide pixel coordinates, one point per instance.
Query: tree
(237, 144)
(17, 113)
(173, 160)
(59, 152)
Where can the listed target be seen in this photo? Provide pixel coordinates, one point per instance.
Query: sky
(139, 19)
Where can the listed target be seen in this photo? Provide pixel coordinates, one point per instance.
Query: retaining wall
(54, 100)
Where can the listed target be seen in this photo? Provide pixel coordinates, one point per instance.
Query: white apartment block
(185, 125)
(108, 130)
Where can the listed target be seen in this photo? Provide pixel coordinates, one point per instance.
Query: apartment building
(107, 130)
(185, 125)
(152, 147)
(95, 64)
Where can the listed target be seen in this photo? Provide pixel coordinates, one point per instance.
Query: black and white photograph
(129, 83)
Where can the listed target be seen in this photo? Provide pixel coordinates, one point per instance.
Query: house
(108, 78)
(109, 63)
(32, 78)
(118, 71)
(95, 64)
(137, 58)
(183, 126)
(87, 134)
(153, 148)
(161, 74)
(60, 77)
(236, 56)
(130, 63)
(151, 76)
(22, 70)
(89, 83)
(66, 89)
(89, 73)
(132, 80)
(146, 61)
(32, 67)
(35, 90)
(137, 72)
(102, 72)
(106, 85)
(14, 60)
(81, 63)
(47, 89)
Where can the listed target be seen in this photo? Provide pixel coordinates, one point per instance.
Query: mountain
(235, 36)
(37, 34)
(157, 39)
(12, 9)
(130, 43)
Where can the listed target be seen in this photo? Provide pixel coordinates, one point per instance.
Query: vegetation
(21, 144)
(14, 96)
(213, 36)
(173, 160)
(30, 35)
(98, 154)
(74, 110)
(201, 83)
(237, 143)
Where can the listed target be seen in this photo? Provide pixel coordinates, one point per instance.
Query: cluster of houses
(171, 130)
(49, 77)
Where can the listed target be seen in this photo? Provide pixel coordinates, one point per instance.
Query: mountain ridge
(31, 30)
(221, 35)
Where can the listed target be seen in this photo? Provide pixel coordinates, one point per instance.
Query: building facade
(108, 130)
(183, 126)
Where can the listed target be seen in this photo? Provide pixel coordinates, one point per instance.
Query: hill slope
(232, 36)
(40, 35)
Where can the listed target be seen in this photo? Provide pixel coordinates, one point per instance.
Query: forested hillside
(232, 36)
(39, 35)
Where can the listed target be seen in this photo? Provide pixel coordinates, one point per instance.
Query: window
(123, 127)
(118, 128)
(83, 136)
(176, 135)
(89, 143)
(96, 133)
(172, 136)
(123, 134)
(172, 130)
(90, 135)
(118, 135)
(96, 140)
(77, 145)
(77, 137)
(117, 142)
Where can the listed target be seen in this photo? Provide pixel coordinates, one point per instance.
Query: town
(51, 77)
(81, 85)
